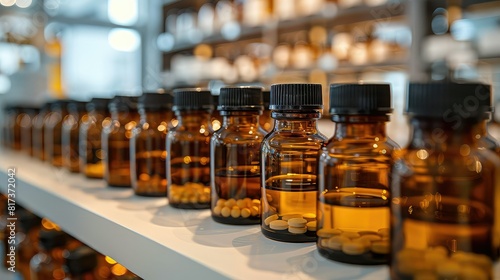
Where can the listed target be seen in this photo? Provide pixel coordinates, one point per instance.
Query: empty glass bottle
(53, 132)
(235, 157)
(289, 163)
(116, 140)
(354, 176)
(148, 152)
(91, 153)
(188, 146)
(444, 205)
(70, 135)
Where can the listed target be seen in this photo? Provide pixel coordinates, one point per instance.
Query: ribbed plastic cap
(360, 99)
(437, 100)
(296, 97)
(98, 104)
(80, 260)
(50, 239)
(156, 101)
(192, 99)
(240, 99)
(123, 103)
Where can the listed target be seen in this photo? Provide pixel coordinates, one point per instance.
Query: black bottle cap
(80, 260)
(156, 101)
(296, 97)
(76, 106)
(360, 99)
(240, 99)
(50, 239)
(440, 99)
(192, 99)
(27, 220)
(98, 104)
(123, 103)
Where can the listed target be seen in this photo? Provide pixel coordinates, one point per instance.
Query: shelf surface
(155, 240)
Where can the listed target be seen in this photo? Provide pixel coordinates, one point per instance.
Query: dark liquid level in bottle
(118, 164)
(242, 185)
(353, 226)
(151, 173)
(442, 227)
(289, 196)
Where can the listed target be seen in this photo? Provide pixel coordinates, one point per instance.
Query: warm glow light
(7, 3)
(125, 40)
(122, 12)
(24, 3)
(118, 270)
(109, 260)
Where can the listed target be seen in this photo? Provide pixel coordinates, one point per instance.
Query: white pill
(256, 202)
(245, 213)
(271, 218)
(230, 203)
(220, 202)
(254, 210)
(311, 226)
(384, 232)
(323, 242)
(371, 237)
(248, 202)
(297, 222)
(381, 247)
(235, 212)
(217, 210)
(328, 232)
(241, 203)
(336, 242)
(365, 242)
(225, 212)
(448, 269)
(297, 230)
(278, 225)
(353, 248)
(309, 217)
(290, 216)
(350, 234)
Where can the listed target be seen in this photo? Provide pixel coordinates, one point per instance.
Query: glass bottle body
(53, 136)
(148, 154)
(91, 153)
(188, 160)
(47, 265)
(289, 167)
(235, 169)
(116, 147)
(38, 136)
(443, 203)
(353, 183)
(71, 140)
(27, 122)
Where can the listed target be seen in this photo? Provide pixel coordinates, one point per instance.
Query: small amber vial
(80, 264)
(444, 205)
(70, 135)
(235, 157)
(354, 176)
(266, 122)
(53, 132)
(116, 140)
(188, 150)
(47, 264)
(38, 134)
(148, 152)
(27, 241)
(26, 123)
(289, 163)
(215, 117)
(12, 127)
(90, 152)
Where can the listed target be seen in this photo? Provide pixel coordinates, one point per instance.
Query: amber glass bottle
(27, 118)
(215, 117)
(70, 135)
(27, 240)
(266, 122)
(38, 136)
(188, 147)
(148, 152)
(289, 163)
(53, 131)
(91, 155)
(116, 140)
(48, 263)
(354, 176)
(80, 263)
(444, 206)
(13, 128)
(235, 157)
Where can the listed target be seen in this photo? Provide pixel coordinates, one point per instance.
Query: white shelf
(157, 241)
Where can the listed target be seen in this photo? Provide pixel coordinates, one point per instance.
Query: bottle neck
(360, 126)
(439, 135)
(240, 118)
(193, 118)
(296, 121)
(155, 117)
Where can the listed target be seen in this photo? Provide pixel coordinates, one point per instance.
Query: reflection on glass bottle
(188, 144)
(354, 176)
(53, 131)
(289, 163)
(70, 135)
(445, 189)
